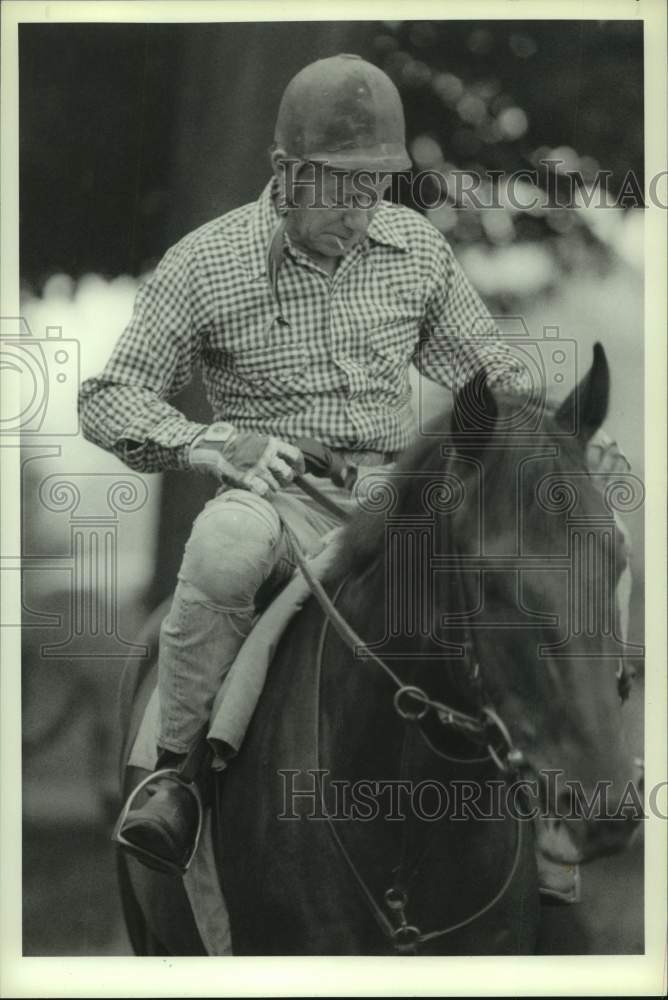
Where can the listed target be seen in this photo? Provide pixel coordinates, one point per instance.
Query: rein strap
(447, 715)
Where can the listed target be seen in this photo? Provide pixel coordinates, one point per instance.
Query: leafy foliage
(505, 96)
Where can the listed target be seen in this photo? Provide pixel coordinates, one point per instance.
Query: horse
(449, 677)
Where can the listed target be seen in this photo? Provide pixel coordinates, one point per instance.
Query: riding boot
(163, 830)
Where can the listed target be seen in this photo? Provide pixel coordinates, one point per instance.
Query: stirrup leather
(147, 857)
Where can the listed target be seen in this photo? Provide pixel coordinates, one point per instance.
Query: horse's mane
(362, 543)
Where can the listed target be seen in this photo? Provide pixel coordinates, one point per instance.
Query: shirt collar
(383, 228)
(265, 217)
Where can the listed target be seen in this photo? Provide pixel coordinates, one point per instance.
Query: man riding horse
(304, 310)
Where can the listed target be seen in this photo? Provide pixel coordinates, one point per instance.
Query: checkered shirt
(331, 364)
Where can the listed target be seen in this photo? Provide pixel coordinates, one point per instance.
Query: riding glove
(255, 462)
(605, 457)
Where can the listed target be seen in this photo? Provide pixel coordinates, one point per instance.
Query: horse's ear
(587, 405)
(474, 414)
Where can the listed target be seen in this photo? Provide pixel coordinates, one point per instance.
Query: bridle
(413, 704)
(405, 694)
(479, 727)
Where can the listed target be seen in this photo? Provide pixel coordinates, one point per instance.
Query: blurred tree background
(508, 96)
(130, 134)
(133, 134)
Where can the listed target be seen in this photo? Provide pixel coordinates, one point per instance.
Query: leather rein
(412, 704)
(510, 758)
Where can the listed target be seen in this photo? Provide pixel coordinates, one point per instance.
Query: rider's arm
(458, 337)
(125, 408)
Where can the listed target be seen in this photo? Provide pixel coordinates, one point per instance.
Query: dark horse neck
(335, 747)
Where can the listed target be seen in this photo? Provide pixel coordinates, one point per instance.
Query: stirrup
(154, 861)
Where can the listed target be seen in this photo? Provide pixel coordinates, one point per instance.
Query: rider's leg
(236, 545)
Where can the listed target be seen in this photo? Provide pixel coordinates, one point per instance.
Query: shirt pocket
(277, 370)
(392, 341)
(394, 319)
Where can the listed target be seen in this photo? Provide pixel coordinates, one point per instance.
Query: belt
(361, 457)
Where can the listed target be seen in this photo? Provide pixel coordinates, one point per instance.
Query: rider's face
(329, 210)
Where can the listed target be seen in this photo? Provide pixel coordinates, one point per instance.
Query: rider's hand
(322, 461)
(605, 458)
(252, 461)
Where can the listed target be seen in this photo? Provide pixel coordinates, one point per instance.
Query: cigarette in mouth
(341, 246)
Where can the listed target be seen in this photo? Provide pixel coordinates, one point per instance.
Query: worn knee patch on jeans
(232, 549)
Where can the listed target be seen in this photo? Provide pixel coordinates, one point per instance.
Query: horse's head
(540, 555)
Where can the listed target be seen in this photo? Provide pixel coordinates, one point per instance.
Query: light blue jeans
(236, 555)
